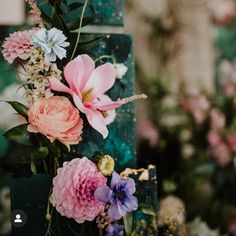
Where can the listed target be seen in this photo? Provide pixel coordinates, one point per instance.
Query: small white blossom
(52, 42)
(121, 70)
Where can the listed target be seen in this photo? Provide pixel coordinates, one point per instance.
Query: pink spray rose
(74, 187)
(18, 45)
(56, 118)
(87, 86)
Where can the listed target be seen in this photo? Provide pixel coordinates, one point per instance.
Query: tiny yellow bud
(48, 216)
(106, 165)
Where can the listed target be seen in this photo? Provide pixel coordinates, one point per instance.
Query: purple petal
(130, 186)
(131, 203)
(103, 194)
(116, 211)
(115, 180)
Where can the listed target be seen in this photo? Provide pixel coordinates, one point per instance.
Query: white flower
(171, 210)
(121, 70)
(9, 117)
(52, 42)
(187, 150)
(200, 228)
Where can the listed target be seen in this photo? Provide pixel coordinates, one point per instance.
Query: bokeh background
(185, 63)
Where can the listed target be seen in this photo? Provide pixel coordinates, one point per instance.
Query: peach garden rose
(56, 118)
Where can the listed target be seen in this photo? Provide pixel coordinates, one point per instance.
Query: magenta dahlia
(74, 187)
(18, 45)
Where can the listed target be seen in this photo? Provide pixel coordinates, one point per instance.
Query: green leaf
(42, 152)
(33, 167)
(18, 134)
(147, 209)
(75, 6)
(73, 25)
(128, 221)
(20, 108)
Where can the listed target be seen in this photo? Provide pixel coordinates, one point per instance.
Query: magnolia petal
(94, 117)
(56, 85)
(97, 121)
(77, 72)
(101, 80)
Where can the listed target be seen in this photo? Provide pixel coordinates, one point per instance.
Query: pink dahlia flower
(18, 45)
(74, 187)
(87, 86)
(56, 118)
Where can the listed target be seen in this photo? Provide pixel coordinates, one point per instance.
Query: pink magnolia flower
(56, 118)
(18, 45)
(87, 86)
(74, 187)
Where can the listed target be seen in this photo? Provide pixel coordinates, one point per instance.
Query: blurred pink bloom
(74, 187)
(224, 11)
(56, 118)
(217, 120)
(222, 154)
(87, 86)
(232, 226)
(198, 105)
(18, 45)
(232, 141)
(213, 138)
(147, 131)
(228, 88)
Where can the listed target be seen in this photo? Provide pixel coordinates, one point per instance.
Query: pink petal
(105, 103)
(56, 85)
(101, 80)
(94, 117)
(77, 72)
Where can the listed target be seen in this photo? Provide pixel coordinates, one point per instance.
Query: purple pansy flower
(115, 230)
(120, 196)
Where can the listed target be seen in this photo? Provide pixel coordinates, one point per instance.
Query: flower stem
(106, 57)
(80, 26)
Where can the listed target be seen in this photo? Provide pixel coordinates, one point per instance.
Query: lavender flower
(52, 42)
(115, 230)
(120, 196)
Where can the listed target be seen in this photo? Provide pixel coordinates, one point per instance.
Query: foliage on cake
(65, 89)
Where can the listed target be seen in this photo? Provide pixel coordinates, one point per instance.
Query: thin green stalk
(80, 26)
(106, 57)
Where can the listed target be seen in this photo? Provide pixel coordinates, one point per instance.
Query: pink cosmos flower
(56, 118)
(87, 86)
(74, 187)
(18, 45)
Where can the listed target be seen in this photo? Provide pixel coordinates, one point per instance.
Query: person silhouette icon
(18, 219)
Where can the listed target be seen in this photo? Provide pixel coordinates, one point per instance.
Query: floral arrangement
(65, 91)
(191, 137)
